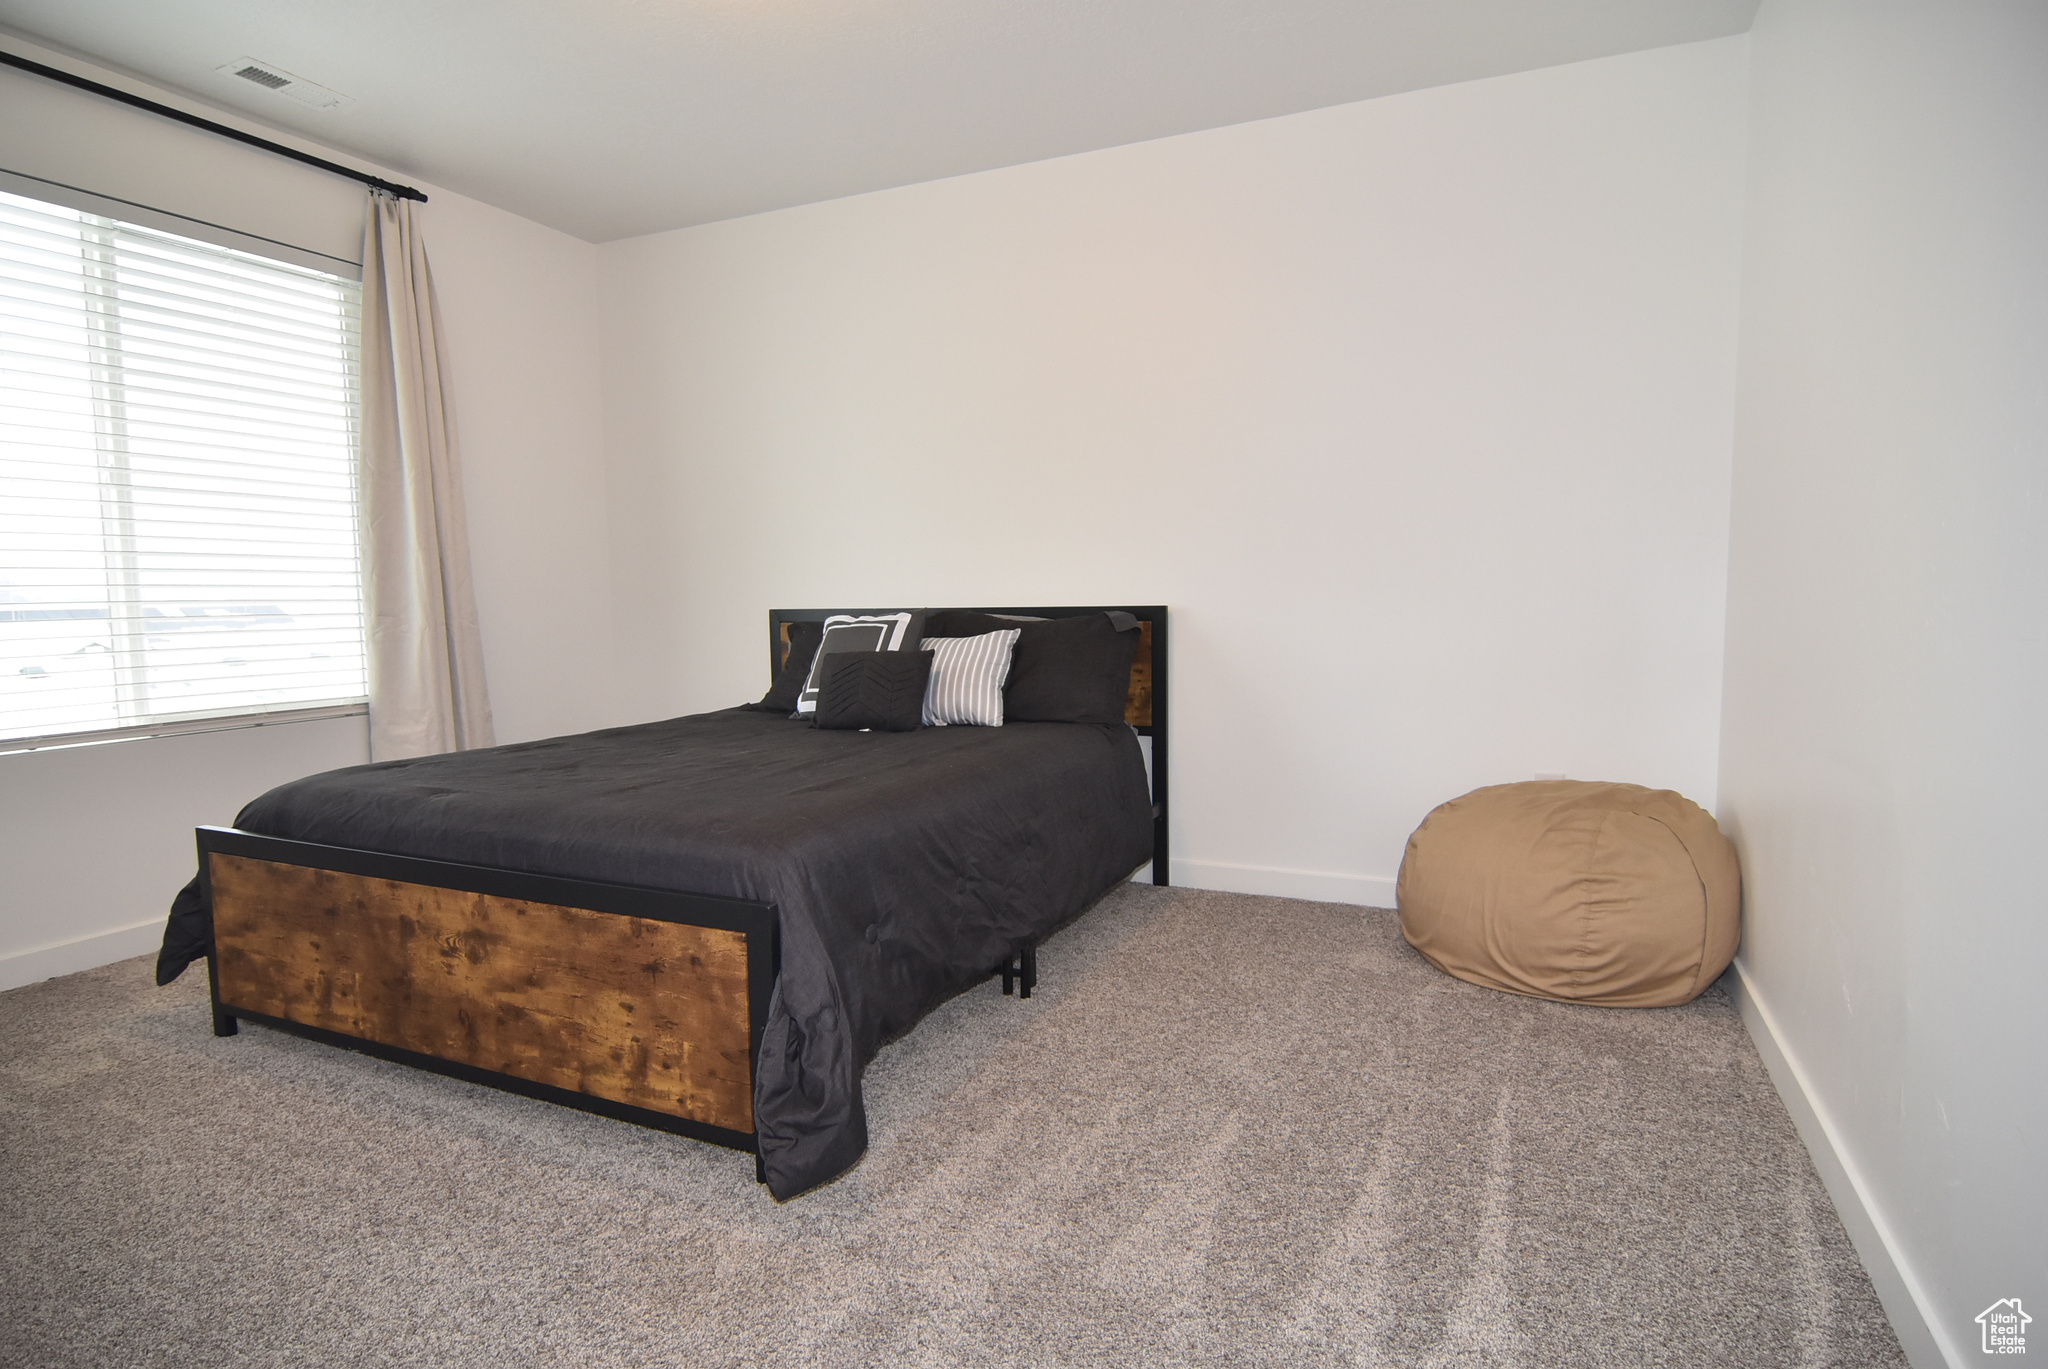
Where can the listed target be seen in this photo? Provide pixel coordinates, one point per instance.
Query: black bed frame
(756, 919)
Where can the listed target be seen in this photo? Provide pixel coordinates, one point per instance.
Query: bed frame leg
(760, 1165)
(1020, 972)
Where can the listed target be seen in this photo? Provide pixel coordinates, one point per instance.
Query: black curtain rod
(403, 192)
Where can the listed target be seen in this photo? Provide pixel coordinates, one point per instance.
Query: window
(178, 513)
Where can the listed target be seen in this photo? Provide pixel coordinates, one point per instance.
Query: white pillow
(967, 678)
(852, 632)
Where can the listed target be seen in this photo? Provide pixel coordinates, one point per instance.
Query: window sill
(232, 723)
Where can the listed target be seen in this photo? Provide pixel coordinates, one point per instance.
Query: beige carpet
(1226, 1130)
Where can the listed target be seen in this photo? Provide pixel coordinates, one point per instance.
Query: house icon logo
(2005, 1327)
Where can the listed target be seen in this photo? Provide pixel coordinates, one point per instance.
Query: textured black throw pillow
(1064, 670)
(860, 632)
(796, 668)
(882, 690)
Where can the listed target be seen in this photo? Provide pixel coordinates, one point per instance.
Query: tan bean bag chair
(1589, 893)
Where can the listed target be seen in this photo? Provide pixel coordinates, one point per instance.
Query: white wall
(96, 840)
(519, 305)
(1416, 411)
(1884, 739)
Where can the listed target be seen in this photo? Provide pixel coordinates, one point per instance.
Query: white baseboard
(1912, 1313)
(1316, 885)
(81, 953)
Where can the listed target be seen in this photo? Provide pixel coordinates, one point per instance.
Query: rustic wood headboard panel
(1138, 708)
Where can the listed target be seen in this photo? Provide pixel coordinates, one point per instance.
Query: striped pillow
(967, 678)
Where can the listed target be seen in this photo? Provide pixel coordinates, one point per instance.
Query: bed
(707, 924)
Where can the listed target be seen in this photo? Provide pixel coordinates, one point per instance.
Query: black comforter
(903, 865)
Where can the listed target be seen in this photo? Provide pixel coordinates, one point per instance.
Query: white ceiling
(610, 118)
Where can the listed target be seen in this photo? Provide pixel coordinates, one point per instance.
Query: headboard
(1144, 710)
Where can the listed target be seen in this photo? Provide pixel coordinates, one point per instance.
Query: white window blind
(178, 513)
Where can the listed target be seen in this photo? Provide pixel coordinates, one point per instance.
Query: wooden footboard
(635, 1003)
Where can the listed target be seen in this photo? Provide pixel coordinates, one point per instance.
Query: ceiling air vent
(275, 78)
(263, 78)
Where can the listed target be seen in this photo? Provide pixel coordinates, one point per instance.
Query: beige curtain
(426, 660)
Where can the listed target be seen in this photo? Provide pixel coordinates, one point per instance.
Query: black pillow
(796, 668)
(882, 690)
(1064, 670)
(898, 631)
